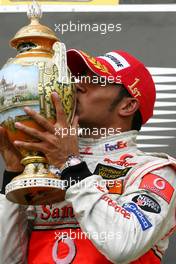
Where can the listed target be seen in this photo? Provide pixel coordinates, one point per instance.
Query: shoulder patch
(157, 185)
(147, 203)
(142, 219)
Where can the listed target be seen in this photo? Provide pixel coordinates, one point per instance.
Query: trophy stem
(33, 159)
(36, 184)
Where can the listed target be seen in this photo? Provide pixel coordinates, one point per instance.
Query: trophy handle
(60, 60)
(64, 73)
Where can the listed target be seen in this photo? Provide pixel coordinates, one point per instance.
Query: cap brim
(79, 61)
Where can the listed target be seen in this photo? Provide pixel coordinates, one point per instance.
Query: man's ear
(128, 106)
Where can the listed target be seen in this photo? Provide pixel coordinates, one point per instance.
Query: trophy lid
(34, 29)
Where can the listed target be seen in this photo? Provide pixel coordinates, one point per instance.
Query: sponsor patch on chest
(50, 216)
(115, 186)
(109, 172)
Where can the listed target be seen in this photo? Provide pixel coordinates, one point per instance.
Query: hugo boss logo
(147, 203)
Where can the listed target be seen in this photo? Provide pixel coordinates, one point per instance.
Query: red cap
(124, 69)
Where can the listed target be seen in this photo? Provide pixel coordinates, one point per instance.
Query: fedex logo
(118, 145)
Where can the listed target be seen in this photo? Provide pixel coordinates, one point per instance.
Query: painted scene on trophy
(18, 88)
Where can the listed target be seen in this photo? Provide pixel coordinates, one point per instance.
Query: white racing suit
(123, 213)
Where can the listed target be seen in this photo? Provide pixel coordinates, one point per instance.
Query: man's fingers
(60, 114)
(29, 145)
(31, 131)
(42, 121)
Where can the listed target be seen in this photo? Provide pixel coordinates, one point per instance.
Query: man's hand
(10, 154)
(55, 146)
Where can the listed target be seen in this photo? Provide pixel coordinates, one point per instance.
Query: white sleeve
(13, 232)
(122, 235)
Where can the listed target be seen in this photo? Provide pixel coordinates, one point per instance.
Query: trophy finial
(34, 11)
(35, 30)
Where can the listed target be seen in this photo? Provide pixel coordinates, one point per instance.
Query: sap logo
(118, 145)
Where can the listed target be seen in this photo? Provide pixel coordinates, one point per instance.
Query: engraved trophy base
(36, 185)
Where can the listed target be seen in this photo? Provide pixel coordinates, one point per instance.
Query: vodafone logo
(159, 184)
(72, 250)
